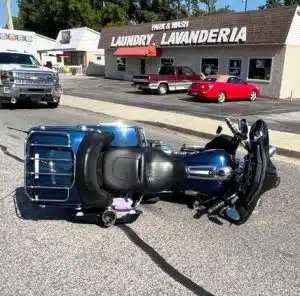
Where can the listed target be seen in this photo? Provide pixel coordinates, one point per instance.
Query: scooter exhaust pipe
(109, 217)
(13, 100)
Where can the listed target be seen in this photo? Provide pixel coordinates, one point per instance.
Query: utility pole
(246, 3)
(9, 22)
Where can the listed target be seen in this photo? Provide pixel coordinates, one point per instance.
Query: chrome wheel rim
(253, 96)
(163, 89)
(221, 97)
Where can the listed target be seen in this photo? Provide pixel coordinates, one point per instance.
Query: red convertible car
(224, 88)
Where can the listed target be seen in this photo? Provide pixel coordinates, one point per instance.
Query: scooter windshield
(260, 133)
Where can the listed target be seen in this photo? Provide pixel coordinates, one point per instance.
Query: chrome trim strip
(219, 173)
(272, 151)
(49, 174)
(140, 80)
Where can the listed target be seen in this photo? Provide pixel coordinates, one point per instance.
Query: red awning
(146, 51)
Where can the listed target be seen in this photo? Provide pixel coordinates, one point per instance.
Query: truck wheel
(52, 105)
(162, 89)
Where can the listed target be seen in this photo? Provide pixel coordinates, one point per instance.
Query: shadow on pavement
(28, 211)
(198, 100)
(27, 105)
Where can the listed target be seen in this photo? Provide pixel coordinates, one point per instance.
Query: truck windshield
(18, 58)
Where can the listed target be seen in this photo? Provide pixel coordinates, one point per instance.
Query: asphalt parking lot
(167, 251)
(280, 115)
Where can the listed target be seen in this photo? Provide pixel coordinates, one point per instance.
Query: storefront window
(260, 68)
(210, 66)
(166, 61)
(121, 62)
(235, 67)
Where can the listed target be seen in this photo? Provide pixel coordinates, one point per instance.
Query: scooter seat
(141, 170)
(101, 169)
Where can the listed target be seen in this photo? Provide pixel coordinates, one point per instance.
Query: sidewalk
(287, 144)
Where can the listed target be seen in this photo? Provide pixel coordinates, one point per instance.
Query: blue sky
(237, 5)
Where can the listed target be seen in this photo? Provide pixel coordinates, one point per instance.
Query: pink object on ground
(121, 204)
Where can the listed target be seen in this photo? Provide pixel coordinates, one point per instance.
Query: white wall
(51, 56)
(99, 57)
(83, 39)
(44, 43)
(293, 37)
(89, 40)
(290, 81)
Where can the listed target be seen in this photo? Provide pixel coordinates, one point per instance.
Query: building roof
(43, 43)
(80, 39)
(268, 26)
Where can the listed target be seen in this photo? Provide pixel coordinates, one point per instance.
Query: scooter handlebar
(231, 126)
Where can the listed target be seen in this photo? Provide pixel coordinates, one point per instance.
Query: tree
(114, 14)
(210, 6)
(225, 9)
(47, 17)
(291, 2)
(17, 23)
(271, 4)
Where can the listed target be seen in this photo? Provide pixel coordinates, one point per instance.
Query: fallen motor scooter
(107, 170)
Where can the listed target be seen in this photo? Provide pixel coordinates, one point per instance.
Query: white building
(79, 50)
(45, 47)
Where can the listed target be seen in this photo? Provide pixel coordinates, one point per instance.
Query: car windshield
(210, 79)
(124, 136)
(18, 58)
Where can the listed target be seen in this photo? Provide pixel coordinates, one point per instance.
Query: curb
(280, 151)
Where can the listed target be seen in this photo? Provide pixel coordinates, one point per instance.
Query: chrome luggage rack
(32, 160)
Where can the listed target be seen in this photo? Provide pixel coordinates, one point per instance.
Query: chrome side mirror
(219, 130)
(272, 151)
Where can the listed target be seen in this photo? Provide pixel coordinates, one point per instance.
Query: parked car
(224, 88)
(169, 78)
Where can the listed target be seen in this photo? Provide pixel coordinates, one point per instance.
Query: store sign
(223, 35)
(132, 40)
(170, 25)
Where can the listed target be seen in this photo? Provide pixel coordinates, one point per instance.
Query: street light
(9, 20)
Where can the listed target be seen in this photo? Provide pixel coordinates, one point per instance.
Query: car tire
(162, 89)
(253, 95)
(52, 105)
(1, 105)
(221, 97)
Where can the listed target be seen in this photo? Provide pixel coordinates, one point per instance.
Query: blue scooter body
(203, 166)
(50, 161)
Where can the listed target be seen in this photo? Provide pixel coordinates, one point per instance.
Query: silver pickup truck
(23, 78)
